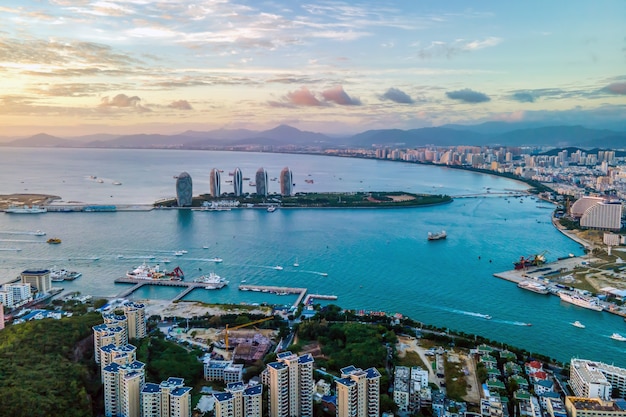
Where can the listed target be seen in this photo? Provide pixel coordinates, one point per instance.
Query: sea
(371, 259)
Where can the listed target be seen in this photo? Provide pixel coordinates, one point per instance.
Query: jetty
(302, 293)
(188, 286)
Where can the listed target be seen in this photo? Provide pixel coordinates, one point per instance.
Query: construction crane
(240, 326)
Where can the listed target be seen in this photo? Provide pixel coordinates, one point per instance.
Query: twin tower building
(184, 189)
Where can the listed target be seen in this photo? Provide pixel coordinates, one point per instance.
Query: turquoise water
(375, 259)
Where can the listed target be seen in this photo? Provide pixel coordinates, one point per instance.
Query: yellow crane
(240, 326)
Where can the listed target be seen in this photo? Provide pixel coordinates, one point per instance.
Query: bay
(376, 259)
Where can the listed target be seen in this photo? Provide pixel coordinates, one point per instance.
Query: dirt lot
(189, 309)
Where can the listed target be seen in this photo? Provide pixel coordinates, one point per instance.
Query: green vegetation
(456, 385)
(411, 359)
(47, 368)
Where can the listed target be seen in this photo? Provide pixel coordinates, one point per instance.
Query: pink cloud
(303, 97)
(339, 96)
(180, 105)
(616, 88)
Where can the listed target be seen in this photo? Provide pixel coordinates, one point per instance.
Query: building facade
(592, 407)
(38, 279)
(291, 385)
(184, 190)
(358, 392)
(603, 216)
(587, 381)
(215, 183)
(261, 182)
(239, 400)
(286, 182)
(136, 319)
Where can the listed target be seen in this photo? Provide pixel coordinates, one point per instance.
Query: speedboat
(215, 260)
(278, 268)
(271, 209)
(39, 233)
(578, 324)
(296, 264)
(487, 317)
(618, 337)
(324, 274)
(178, 253)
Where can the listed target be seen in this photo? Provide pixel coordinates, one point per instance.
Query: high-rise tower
(238, 182)
(261, 182)
(358, 393)
(291, 385)
(215, 182)
(286, 182)
(184, 190)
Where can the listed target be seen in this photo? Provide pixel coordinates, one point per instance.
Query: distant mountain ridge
(490, 133)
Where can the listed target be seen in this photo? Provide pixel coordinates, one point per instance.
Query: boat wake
(10, 249)
(35, 233)
(147, 258)
(513, 323)
(322, 274)
(22, 241)
(469, 313)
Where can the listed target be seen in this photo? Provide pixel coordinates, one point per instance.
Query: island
(361, 199)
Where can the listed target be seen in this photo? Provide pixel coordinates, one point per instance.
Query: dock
(189, 286)
(302, 293)
(543, 271)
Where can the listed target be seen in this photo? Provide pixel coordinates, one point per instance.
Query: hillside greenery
(47, 368)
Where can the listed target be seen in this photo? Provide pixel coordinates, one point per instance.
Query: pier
(189, 286)
(302, 296)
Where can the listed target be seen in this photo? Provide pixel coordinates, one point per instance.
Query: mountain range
(490, 133)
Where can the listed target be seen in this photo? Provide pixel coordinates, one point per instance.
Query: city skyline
(122, 67)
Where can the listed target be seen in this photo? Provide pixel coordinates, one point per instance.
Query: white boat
(178, 253)
(205, 247)
(117, 183)
(580, 300)
(618, 337)
(34, 209)
(296, 264)
(578, 324)
(217, 260)
(533, 286)
(63, 274)
(271, 209)
(145, 271)
(324, 274)
(278, 268)
(39, 233)
(213, 281)
(437, 236)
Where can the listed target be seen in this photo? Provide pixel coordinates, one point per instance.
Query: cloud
(468, 96)
(72, 89)
(523, 97)
(450, 49)
(616, 88)
(397, 96)
(180, 105)
(303, 97)
(339, 96)
(123, 101)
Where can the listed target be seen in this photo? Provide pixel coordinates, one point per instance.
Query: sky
(79, 67)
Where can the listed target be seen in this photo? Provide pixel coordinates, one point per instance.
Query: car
(440, 375)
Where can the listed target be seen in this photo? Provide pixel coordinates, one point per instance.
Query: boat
(271, 209)
(324, 274)
(178, 253)
(487, 317)
(278, 268)
(580, 300)
(618, 337)
(39, 233)
(533, 260)
(63, 274)
(213, 281)
(145, 271)
(117, 183)
(534, 287)
(205, 247)
(34, 209)
(578, 324)
(296, 264)
(437, 236)
(54, 240)
(217, 260)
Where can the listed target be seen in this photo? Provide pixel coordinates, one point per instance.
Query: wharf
(302, 296)
(189, 286)
(543, 271)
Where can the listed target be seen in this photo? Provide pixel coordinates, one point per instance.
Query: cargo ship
(533, 260)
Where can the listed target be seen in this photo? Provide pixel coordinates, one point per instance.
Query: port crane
(241, 326)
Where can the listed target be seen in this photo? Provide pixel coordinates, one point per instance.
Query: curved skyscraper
(214, 182)
(183, 190)
(286, 182)
(238, 182)
(261, 182)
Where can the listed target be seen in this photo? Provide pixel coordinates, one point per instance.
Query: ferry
(144, 271)
(578, 324)
(534, 287)
(618, 337)
(34, 209)
(580, 300)
(437, 236)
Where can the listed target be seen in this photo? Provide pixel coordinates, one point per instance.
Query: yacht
(579, 300)
(578, 324)
(178, 253)
(213, 281)
(296, 264)
(618, 337)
